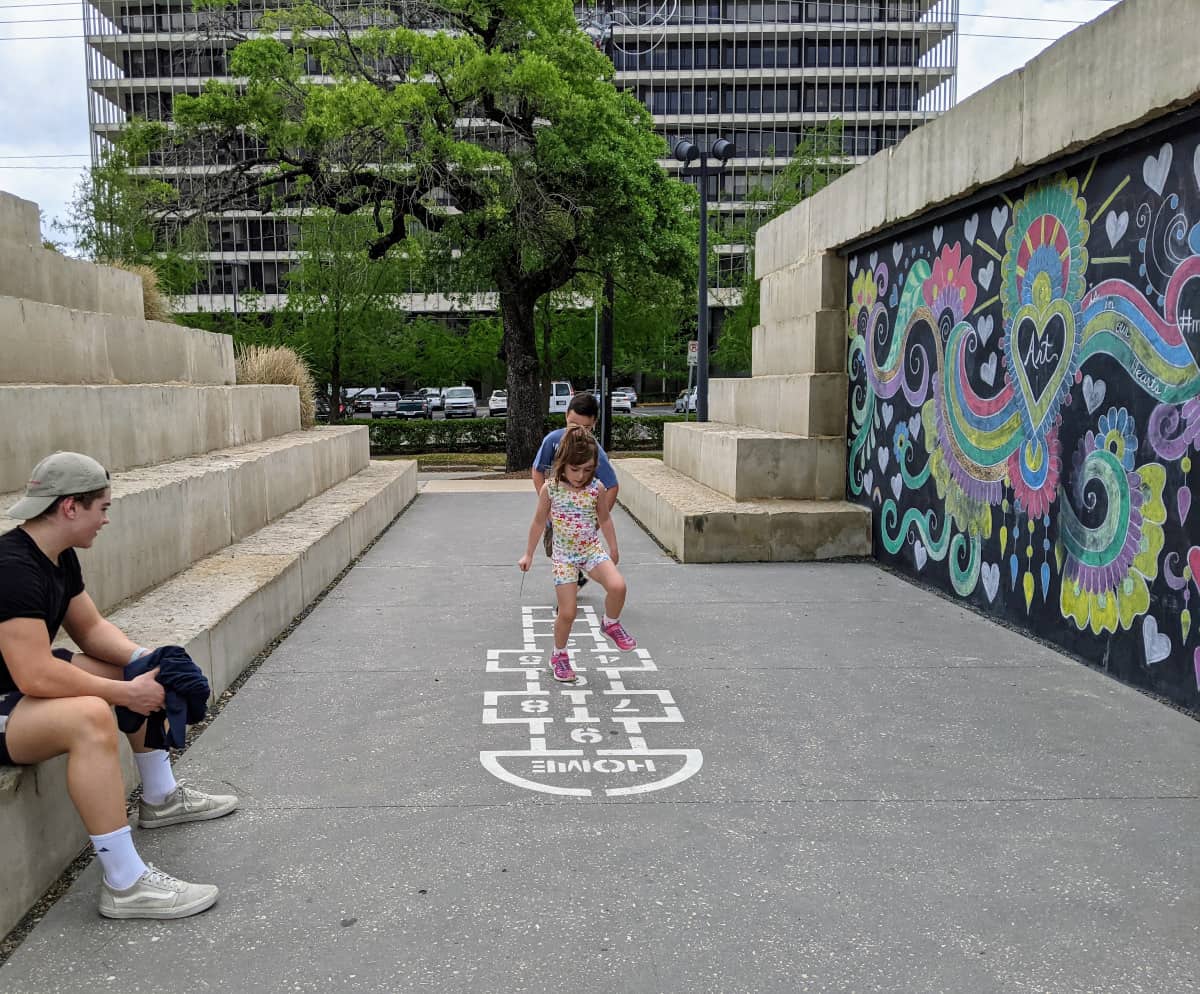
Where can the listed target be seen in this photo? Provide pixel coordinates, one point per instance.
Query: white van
(560, 396)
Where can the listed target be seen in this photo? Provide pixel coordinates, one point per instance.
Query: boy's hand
(525, 562)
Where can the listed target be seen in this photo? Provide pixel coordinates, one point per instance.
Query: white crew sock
(158, 780)
(122, 864)
(610, 621)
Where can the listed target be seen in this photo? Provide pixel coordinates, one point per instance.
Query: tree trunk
(547, 364)
(525, 412)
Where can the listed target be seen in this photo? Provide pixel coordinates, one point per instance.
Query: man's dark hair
(87, 500)
(585, 404)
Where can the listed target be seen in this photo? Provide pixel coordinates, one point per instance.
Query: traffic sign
(693, 352)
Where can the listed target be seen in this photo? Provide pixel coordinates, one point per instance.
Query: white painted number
(586, 735)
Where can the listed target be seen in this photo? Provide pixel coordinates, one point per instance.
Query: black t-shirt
(31, 586)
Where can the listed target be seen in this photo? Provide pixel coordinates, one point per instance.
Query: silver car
(459, 402)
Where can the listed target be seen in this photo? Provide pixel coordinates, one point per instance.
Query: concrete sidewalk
(814, 778)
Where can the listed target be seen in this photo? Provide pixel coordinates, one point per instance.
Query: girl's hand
(615, 556)
(525, 562)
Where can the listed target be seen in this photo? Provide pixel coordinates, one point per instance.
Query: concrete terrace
(895, 795)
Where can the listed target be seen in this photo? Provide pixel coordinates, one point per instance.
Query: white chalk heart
(868, 481)
(1156, 644)
(874, 260)
(1156, 167)
(971, 229)
(988, 370)
(1093, 393)
(914, 426)
(937, 236)
(888, 413)
(854, 265)
(897, 252)
(999, 219)
(897, 485)
(884, 454)
(986, 273)
(1115, 226)
(920, 554)
(985, 325)
(991, 579)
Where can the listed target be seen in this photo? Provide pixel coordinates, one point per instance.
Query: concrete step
(697, 524)
(168, 516)
(224, 610)
(813, 284)
(34, 273)
(127, 426)
(799, 404)
(812, 343)
(749, 463)
(46, 343)
(20, 220)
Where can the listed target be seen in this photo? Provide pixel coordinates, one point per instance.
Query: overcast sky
(43, 105)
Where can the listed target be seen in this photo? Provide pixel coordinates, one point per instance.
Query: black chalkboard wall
(1025, 407)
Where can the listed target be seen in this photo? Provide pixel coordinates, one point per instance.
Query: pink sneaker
(617, 633)
(560, 666)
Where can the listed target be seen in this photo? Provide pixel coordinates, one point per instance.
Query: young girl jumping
(568, 501)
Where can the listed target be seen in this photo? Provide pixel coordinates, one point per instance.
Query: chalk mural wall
(1025, 407)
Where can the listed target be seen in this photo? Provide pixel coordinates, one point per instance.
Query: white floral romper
(577, 543)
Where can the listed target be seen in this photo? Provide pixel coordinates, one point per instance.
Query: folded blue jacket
(186, 697)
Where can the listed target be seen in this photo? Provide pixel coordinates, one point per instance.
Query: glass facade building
(760, 73)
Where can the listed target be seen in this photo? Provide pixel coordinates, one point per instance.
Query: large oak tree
(485, 136)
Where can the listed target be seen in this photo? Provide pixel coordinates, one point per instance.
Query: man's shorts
(567, 571)
(10, 700)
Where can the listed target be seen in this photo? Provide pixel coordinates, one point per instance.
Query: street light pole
(686, 152)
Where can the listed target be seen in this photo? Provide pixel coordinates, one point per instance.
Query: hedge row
(398, 438)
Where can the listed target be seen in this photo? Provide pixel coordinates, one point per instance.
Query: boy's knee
(95, 719)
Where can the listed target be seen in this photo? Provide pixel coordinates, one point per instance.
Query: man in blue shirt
(582, 411)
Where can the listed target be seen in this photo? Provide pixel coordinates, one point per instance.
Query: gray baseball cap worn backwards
(63, 474)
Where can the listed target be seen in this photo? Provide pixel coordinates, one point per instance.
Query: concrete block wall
(226, 521)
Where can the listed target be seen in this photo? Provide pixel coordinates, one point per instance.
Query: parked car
(498, 403)
(561, 393)
(685, 403)
(322, 407)
(413, 406)
(459, 402)
(622, 402)
(385, 405)
(434, 396)
(631, 393)
(362, 399)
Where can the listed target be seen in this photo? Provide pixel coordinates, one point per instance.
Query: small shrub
(154, 301)
(280, 364)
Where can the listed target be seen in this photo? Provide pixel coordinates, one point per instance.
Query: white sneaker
(156, 895)
(185, 804)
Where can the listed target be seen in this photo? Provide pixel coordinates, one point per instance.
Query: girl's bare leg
(609, 577)
(568, 595)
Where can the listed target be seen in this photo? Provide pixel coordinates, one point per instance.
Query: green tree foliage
(555, 180)
(120, 213)
(816, 163)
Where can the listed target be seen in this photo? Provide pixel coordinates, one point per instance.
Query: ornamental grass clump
(280, 364)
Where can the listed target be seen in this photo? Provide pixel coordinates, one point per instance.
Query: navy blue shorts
(11, 700)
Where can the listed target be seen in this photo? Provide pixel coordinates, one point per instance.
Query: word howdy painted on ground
(585, 739)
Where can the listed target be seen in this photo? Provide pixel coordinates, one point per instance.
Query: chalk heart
(1093, 393)
(985, 325)
(868, 481)
(853, 265)
(971, 228)
(887, 412)
(1194, 563)
(874, 259)
(885, 455)
(914, 426)
(1115, 226)
(897, 252)
(1183, 502)
(991, 580)
(1156, 167)
(988, 370)
(986, 273)
(897, 485)
(1040, 349)
(999, 219)
(920, 554)
(937, 236)
(1156, 644)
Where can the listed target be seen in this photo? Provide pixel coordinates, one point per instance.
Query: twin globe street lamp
(687, 153)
